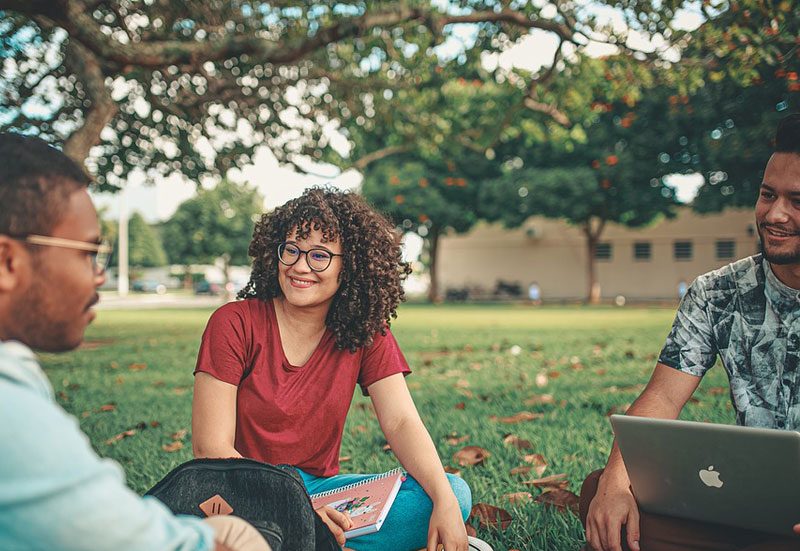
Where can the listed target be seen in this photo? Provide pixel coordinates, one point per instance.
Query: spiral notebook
(366, 502)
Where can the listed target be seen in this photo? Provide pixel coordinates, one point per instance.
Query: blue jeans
(406, 525)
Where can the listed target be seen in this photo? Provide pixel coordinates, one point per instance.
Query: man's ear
(12, 260)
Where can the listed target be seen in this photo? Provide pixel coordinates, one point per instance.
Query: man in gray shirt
(56, 494)
(748, 314)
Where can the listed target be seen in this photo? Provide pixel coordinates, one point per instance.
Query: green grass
(595, 359)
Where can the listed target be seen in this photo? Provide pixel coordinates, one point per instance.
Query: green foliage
(217, 222)
(145, 249)
(417, 195)
(459, 354)
(608, 173)
(167, 81)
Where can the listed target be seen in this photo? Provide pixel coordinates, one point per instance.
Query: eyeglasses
(318, 259)
(100, 252)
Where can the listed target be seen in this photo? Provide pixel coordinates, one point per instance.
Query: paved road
(144, 301)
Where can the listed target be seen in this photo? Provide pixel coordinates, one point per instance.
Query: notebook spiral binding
(357, 484)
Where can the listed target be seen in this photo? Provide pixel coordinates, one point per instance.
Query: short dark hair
(36, 179)
(787, 137)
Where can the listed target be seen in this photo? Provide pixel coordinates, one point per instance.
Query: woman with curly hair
(277, 371)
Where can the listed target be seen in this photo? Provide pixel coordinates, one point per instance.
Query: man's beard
(37, 322)
(782, 258)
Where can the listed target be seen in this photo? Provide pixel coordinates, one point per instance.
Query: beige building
(640, 264)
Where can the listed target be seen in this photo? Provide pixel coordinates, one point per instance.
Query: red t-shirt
(289, 414)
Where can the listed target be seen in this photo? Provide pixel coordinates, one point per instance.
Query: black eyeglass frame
(282, 247)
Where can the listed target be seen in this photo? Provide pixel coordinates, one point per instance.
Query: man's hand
(796, 529)
(336, 522)
(609, 511)
(447, 528)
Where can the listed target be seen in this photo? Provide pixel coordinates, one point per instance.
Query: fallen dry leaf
(179, 435)
(452, 470)
(541, 380)
(461, 405)
(552, 482)
(471, 455)
(155, 424)
(561, 499)
(124, 434)
(462, 383)
(467, 393)
(471, 530)
(517, 442)
(518, 497)
(554, 374)
(539, 399)
(455, 440)
(180, 390)
(108, 407)
(361, 428)
(538, 461)
(344, 459)
(600, 371)
(520, 417)
(172, 446)
(137, 367)
(490, 516)
(523, 470)
(387, 448)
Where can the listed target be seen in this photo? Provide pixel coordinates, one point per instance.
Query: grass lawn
(473, 366)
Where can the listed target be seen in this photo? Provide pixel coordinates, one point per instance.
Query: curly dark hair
(370, 283)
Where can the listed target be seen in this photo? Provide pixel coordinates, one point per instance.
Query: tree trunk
(592, 238)
(102, 110)
(433, 248)
(188, 283)
(226, 272)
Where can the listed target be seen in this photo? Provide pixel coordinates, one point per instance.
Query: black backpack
(271, 498)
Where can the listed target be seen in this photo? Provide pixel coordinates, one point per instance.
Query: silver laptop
(739, 476)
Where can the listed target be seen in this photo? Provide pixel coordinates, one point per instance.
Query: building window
(726, 249)
(683, 250)
(642, 250)
(603, 251)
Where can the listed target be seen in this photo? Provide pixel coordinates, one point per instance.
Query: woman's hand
(336, 522)
(447, 527)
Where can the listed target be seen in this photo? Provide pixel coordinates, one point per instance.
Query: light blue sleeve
(56, 494)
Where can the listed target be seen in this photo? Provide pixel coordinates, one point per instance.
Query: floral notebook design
(366, 502)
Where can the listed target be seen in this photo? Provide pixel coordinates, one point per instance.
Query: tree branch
(103, 108)
(388, 151)
(73, 16)
(550, 110)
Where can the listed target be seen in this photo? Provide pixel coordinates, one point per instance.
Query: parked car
(148, 286)
(204, 287)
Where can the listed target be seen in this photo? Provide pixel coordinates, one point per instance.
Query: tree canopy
(192, 87)
(144, 244)
(217, 223)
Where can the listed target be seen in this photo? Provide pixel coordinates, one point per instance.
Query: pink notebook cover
(367, 502)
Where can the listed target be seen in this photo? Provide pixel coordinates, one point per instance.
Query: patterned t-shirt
(745, 314)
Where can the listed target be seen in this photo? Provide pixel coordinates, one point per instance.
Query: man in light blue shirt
(56, 494)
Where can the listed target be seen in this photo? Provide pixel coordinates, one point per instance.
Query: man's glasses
(318, 259)
(99, 252)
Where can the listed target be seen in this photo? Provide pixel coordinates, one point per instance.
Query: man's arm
(614, 505)
(54, 488)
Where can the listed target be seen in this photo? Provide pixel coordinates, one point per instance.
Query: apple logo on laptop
(710, 477)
